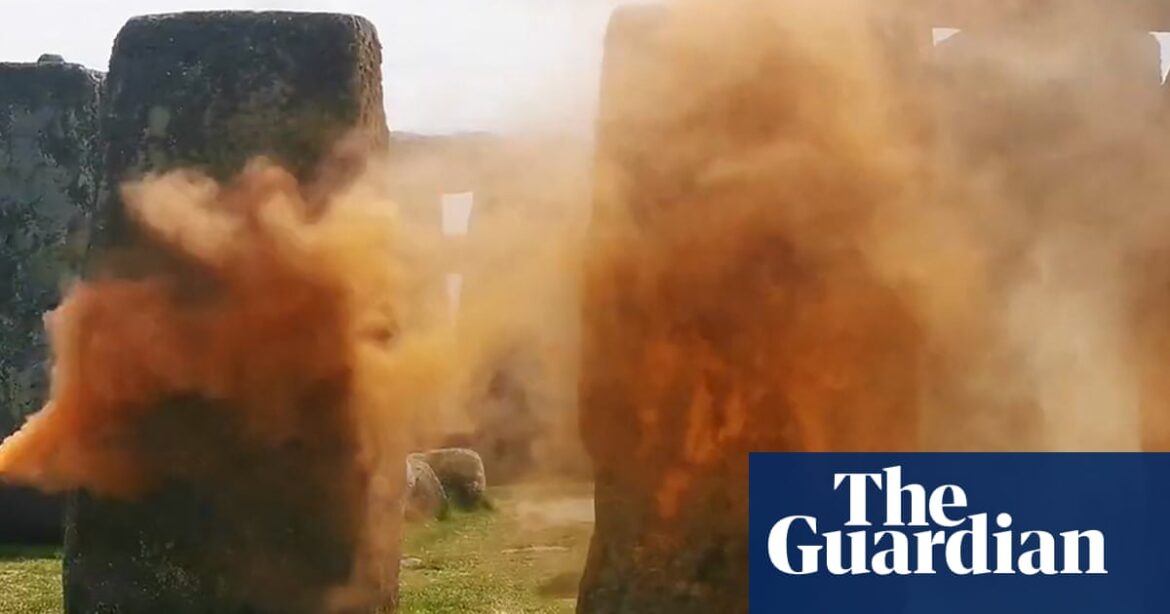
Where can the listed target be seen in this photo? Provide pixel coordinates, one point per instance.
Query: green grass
(524, 557)
(512, 560)
(30, 580)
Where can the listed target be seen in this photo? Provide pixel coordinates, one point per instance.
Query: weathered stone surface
(710, 328)
(462, 475)
(211, 90)
(48, 188)
(426, 497)
(284, 527)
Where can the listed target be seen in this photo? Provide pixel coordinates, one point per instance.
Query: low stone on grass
(461, 472)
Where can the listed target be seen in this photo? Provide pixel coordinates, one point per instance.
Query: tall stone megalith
(714, 324)
(48, 189)
(261, 528)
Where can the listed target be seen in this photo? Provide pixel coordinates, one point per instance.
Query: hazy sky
(450, 65)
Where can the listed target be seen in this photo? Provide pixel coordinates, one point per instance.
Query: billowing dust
(818, 231)
(302, 315)
(516, 325)
(799, 243)
(272, 306)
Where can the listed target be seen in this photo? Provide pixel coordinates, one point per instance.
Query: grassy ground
(30, 581)
(523, 558)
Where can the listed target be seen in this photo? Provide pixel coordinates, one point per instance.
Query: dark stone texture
(287, 526)
(212, 90)
(29, 517)
(48, 188)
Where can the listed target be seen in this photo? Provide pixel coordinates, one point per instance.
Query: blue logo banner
(960, 533)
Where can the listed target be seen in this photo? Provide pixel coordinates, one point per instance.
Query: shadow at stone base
(28, 517)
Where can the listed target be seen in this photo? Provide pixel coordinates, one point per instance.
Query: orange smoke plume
(268, 311)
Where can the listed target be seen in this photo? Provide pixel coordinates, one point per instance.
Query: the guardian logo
(960, 533)
(925, 532)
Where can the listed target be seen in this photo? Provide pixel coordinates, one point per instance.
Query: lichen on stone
(48, 189)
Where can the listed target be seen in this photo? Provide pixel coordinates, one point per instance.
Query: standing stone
(48, 187)
(290, 525)
(704, 337)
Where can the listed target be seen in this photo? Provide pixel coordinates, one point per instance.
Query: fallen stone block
(462, 474)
